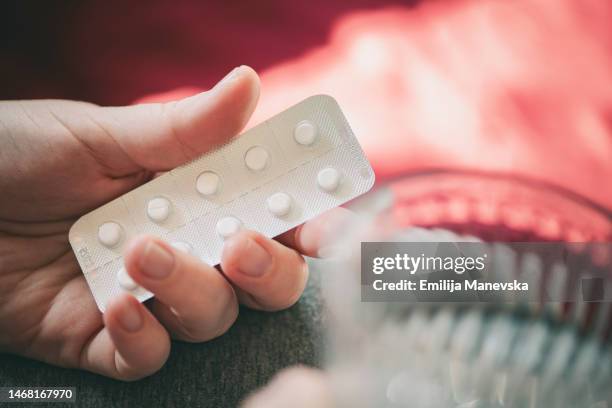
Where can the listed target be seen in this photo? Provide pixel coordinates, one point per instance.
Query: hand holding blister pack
(274, 177)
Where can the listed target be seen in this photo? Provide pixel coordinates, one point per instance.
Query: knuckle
(300, 278)
(130, 376)
(201, 330)
(290, 300)
(188, 337)
(226, 323)
(192, 333)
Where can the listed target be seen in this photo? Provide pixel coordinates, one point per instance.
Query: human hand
(61, 159)
(297, 387)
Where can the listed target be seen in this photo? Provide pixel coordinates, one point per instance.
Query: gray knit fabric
(219, 373)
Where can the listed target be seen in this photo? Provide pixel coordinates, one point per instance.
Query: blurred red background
(520, 88)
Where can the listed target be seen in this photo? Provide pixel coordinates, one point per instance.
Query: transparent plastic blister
(269, 179)
(137, 202)
(104, 284)
(84, 235)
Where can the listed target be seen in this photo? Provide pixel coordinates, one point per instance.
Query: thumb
(161, 136)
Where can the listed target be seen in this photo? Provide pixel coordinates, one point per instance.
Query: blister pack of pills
(270, 179)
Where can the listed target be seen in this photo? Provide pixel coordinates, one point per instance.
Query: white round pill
(125, 280)
(158, 209)
(207, 183)
(279, 204)
(305, 133)
(109, 234)
(256, 158)
(182, 246)
(328, 179)
(228, 226)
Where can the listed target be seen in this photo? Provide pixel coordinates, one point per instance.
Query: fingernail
(130, 318)
(230, 77)
(156, 262)
(254, 260)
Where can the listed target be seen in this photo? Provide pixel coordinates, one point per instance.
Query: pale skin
(61, 159)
